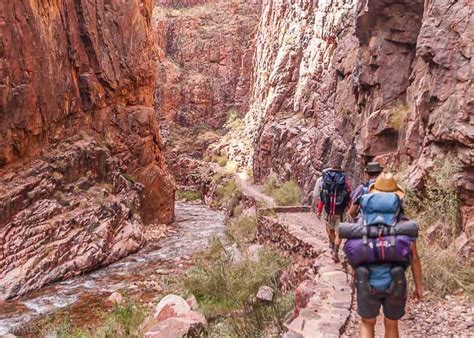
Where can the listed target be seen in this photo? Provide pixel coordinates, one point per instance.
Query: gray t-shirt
(317, 189)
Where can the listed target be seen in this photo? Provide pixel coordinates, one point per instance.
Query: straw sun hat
(387, 183)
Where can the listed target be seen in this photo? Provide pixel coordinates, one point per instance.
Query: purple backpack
(380, 210)
(393, 249)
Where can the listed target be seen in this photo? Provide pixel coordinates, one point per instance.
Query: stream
(195, 225)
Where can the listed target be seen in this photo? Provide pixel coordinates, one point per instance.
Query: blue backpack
(380, 208)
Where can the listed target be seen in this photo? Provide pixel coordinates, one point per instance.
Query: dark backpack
(334, 193)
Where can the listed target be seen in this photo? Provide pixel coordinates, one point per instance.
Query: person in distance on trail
(384, 284)
(372, 171)
(331, 196)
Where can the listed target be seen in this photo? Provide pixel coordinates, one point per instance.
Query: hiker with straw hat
(382, 283)
(372, 171)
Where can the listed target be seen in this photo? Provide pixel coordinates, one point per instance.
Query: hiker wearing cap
(380, 263)
(372, 171)
(331, 196)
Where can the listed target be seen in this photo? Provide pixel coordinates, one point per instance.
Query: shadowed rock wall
(76, 95)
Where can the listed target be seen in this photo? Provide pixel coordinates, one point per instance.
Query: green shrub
(271, 185)
(226, 192)
(222, 287)
(243, 229)
(63, 327)
(188, 195)
(288, 194)
(261, 320)
(123, 321)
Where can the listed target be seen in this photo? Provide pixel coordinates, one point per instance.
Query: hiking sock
(331, 245)
(335, 254)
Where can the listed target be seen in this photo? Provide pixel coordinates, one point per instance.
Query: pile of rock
(174, 317)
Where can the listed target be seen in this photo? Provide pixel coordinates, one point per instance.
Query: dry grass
(398, 115)
(288, 194)
(271, 185)
(444, 270)
(242, 229)
(223, 287)
(123, 320)
(226, 192)
(221, 161)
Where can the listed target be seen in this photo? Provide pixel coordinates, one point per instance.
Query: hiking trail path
(330, 311)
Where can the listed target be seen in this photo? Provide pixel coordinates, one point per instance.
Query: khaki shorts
(332, 222)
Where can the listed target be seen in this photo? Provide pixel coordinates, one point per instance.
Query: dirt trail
(329, 310)
(253, 190)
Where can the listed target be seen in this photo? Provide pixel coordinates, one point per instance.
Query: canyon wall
(351, 81)
(81, 160)
(206, 50)
(205, 53)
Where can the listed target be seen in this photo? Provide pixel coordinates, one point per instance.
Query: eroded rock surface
(206, 53)
(349, 81)
(204, 76)
(80, 151)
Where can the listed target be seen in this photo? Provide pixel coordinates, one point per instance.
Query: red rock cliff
(80, 150)
(352, 81)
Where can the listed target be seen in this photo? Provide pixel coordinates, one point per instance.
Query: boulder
(265, 293)
(254, 251)
(188, 324)
(115, 298)
(171, 306)
(303, 294)
(193, 303)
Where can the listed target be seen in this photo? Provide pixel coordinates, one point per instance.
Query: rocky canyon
(108, 107)
(352, 81)
(82, 166)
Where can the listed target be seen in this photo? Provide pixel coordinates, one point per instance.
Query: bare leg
(391, 328)
(367, 327)
(337, 240)
(331, 234)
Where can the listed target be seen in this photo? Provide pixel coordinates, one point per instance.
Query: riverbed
(195, 226)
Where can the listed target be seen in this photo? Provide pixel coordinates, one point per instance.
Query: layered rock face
(80, 151)
(350, 81)
(206, 58)
(204, 75)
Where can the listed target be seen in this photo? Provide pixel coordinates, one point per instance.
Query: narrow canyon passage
(133, 132)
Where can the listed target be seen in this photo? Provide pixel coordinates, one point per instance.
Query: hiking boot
(399, 283)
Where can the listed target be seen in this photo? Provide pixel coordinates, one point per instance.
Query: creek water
(195, 225)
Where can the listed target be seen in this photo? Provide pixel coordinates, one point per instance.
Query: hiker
(380, 281)
(331, 196)
(372, 171)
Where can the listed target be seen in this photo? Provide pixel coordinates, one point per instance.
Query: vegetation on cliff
(437, 210)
